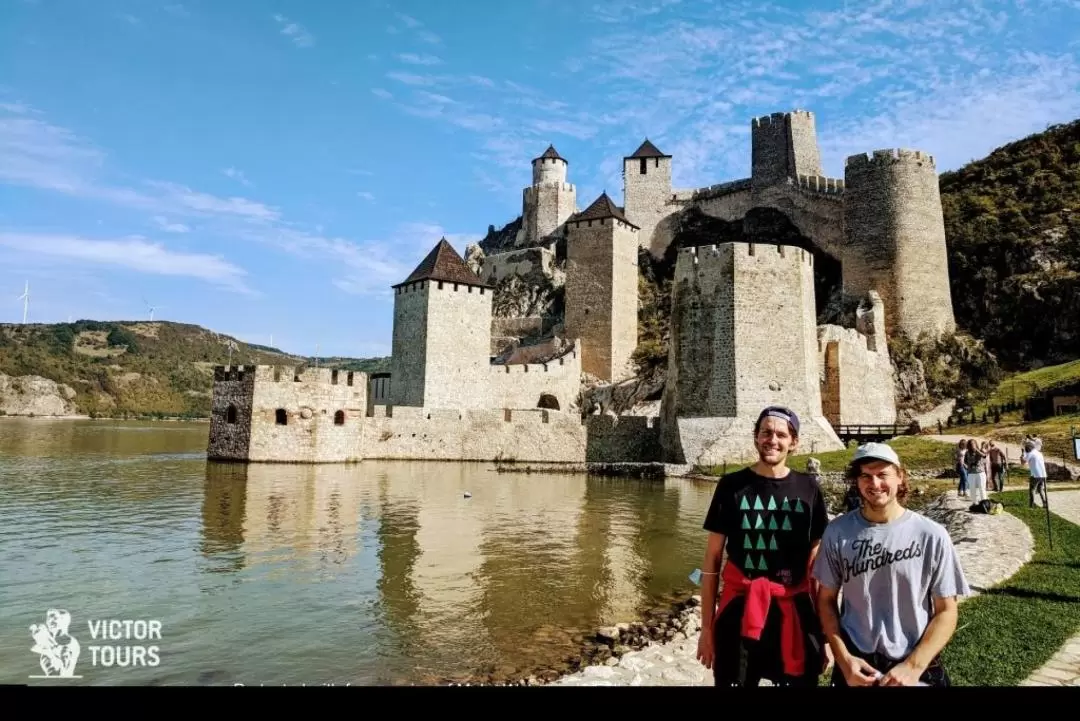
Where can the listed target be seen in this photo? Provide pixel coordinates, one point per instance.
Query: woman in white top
(974, 462)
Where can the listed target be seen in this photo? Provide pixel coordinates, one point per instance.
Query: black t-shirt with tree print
(771, 524)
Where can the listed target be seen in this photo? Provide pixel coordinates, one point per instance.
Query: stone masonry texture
(601, 295)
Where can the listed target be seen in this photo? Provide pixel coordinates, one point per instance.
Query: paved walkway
(1063, 669)
(991, 548)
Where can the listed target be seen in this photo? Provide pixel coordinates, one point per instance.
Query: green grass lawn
(1014, 628)
(1022, 385)
(916, 453)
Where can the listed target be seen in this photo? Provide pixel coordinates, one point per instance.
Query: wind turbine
(152, 308)
(25, 298)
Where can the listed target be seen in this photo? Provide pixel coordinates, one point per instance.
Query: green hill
(131, 368)
(1012, 221)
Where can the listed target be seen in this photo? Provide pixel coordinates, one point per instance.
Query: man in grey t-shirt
(899, 577)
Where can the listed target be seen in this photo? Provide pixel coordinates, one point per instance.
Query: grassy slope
(1014, 628)
(138, 368)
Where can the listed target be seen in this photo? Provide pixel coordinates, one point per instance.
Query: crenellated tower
(782, 146)
(602, 288)
(442, 335)
(550, 200)
(646, 189)
(894, 231)
(743, 336)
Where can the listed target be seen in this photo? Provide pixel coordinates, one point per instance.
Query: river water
(374, 573)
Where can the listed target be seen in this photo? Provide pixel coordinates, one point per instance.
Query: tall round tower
(549, 167)
(550, 201)
(895, 236)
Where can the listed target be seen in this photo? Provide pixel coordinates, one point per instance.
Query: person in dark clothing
(770, 519)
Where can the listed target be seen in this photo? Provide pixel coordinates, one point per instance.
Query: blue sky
(270, 167)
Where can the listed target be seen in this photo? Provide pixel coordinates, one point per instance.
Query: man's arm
(710, 578)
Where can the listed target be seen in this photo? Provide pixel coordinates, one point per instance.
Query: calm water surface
(376, 573)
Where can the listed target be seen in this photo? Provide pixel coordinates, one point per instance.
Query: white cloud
(381, 93)
(299, 35)
(414, 59)
(133, 253)
(163, 224)
(237, 175)
(365, 195)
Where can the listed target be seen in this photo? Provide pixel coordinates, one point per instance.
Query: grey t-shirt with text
(888, 574)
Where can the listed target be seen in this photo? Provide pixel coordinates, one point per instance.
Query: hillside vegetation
(1012, 221)
(155, 369)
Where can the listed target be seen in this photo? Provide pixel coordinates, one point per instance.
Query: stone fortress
(744, 326)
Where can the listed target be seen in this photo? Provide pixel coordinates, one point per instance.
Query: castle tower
(783, 145)
(894, 231)
(550, 200)
(646, 190)
(743, 336)
(601, 288)
(442, 335)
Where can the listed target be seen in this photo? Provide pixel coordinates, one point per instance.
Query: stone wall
(546, 208)
(285, 415)
(857, 385)
(523, 262)
(895, 235)
(763, 296)
(442, 345)
(623, 439)
(783, 145)
(646, 196)
(526, 385)
(539, 436)
(601, 295)
(230, 413)
(408, 359)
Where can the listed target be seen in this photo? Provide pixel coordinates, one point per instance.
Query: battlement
(780, 118)
(716, 191)
(762, 252)
(444, 285)
(289, 374)
(223, 374)
(596, 222)
(553, 365)
(531, 190)
(820, 184)
(529, 416)
(890, 156)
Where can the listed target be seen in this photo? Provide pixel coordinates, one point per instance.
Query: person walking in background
(961, 469)
(999, 461)
(900, 577)
(1036, 464)
(974, 459)
(769, 518)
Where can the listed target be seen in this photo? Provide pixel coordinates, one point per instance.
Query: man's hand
(858, 672)
(902, 674)
(705, 652)
(827, 659)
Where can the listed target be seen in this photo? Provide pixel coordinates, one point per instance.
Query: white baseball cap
(876, 451)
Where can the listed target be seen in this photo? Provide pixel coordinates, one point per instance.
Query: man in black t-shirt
(770, 520)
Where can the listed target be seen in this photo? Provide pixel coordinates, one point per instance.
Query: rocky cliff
(35, 396)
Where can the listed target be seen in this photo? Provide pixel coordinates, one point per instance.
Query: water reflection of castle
(472, 572)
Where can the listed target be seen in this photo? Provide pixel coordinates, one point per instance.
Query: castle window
(281, 417)
(333, 377)
(643, 167)
(348, 380)
(548, 401)
(339, 418)
(440, 285)
(230, 414)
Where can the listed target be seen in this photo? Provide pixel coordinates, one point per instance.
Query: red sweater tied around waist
(760, 594)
